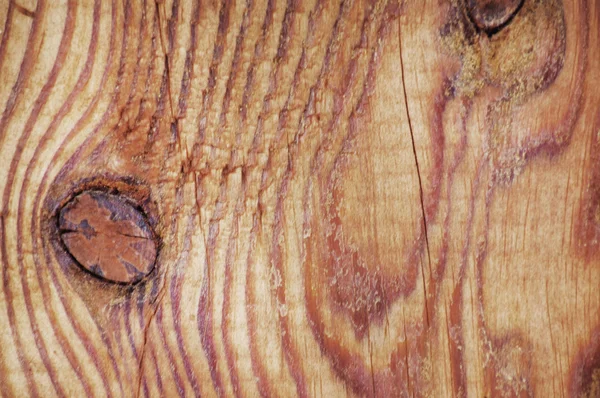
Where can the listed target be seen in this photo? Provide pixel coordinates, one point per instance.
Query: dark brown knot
(108, 236)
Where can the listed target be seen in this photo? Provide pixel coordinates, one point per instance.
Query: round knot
(108, 236)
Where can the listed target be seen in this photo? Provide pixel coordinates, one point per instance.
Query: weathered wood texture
(355, 198)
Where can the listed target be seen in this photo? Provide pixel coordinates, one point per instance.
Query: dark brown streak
(371, 359)
(6, 35)
(128, 330)
(412, 137)
(217, 56)
(151, 66)
(188, 75)
(4, 390)
(282, 49)
(140, 47)
(23, 10)
(159, 382)
(157, 303)
(406, 356)
(164, 48)
(250, 78)
(235, 64)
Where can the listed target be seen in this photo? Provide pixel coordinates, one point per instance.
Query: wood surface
(384, 198)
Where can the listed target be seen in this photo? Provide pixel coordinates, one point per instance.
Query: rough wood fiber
(350, 198)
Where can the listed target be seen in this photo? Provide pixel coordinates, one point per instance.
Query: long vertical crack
(414, 148)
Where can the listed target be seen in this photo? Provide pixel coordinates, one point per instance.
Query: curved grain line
(66, 106)
(159, 383)
(26, 64)
(82, 81)
(267, 22)
(164, 88)
(238, 212)
(175, 286)
(217, 57)
(226, 307)
(8, 110)
(40, 102)
(294, 357)
(4, 387)
(6, 34)
(282, 52)
(127, 314)
(257, 365)
(190, 60)
(140, 40)
(158, 288)
(259, 369)
(175, 294)
(337, 363)
(290, 355)
(204, 314)
(263, 385)
(158, 319)
(457, 367)
(233, 73)
(146, 346)
(231, 246)
(170, 356)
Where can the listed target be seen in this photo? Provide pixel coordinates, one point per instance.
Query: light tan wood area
(346, 198)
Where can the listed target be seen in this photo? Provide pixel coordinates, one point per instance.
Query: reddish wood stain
(108, 236)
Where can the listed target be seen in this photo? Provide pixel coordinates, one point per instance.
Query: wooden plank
(350, 198)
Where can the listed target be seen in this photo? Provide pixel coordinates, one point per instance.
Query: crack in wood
(414, 149)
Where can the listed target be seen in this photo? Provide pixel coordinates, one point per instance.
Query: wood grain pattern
(352, 198)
